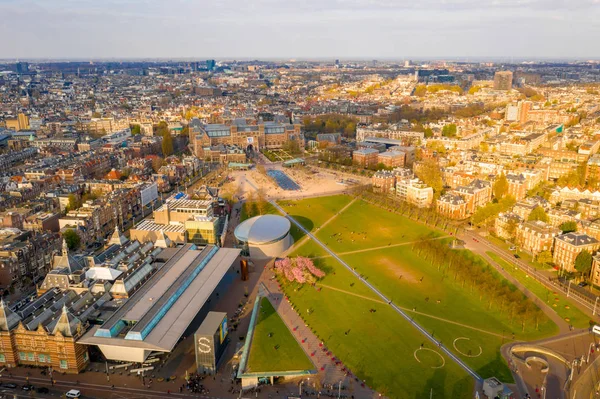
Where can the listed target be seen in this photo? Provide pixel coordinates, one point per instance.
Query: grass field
(377, 244)
(366, 226)
(379, 346)
(273, 346)
(311, 213)
(563, 307)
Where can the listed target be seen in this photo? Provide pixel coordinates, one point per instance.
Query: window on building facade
(64, 364)
(22, 356)
(2, 358)
(31, 356)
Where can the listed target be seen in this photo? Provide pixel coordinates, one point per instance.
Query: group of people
(194, 384)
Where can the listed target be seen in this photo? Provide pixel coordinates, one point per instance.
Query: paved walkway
(328, 371)
(383, 297)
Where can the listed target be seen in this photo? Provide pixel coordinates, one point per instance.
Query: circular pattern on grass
(461, 352)
(431, 350)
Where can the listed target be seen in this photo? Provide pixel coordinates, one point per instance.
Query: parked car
(9, 385)
(582, 284)
(28, 387)
(512, 248)
(43, 390)
(73, 393)
(517, 256)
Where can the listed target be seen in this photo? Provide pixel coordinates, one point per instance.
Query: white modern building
(265, 236)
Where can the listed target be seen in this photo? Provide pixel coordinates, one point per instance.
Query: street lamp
(543, 392)
(595, 303)
(569, 288)
(300, 390)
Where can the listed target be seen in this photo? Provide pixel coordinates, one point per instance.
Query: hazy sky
(300, 28)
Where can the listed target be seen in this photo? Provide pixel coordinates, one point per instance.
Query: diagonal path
(414, 311)
(303, 240)
(382, 296)
(378, 248)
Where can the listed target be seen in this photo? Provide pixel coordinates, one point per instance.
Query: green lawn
(278, 352)
(311, 213)
(380, 346)
(340, 302)
(563, 307)
(363, 225)
(413, 283)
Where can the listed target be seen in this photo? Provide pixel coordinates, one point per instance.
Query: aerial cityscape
(280, 215)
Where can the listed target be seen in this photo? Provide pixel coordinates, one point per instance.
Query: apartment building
(506, 225)
(453, 206)
(477, 194)
(383, 181)
(536, 236)
(365, 157)
(568, 246)
(415, 192)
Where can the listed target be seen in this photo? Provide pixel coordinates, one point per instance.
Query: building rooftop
(157, 315)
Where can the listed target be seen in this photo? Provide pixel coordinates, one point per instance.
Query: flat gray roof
(155, 328)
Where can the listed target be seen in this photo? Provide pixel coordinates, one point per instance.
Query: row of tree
(478, 277)
(330, 123)
(427, 216)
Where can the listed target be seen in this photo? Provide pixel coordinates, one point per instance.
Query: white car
(73, 393)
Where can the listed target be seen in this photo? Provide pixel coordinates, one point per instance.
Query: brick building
(49, 338)
(568, 246)
(517, 186)
(452, 206)
(268, 135)
(506, 225)
(366, 157)
(383, 181)
(391, 159)
(536, 236)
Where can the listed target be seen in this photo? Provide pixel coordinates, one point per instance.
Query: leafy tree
(449, 130)
(292, 146)
(185, 131)
(420, 90)
(157, 163)
(572, 146)
(74, 202)
(544, 257)
(428, 132)
(431, 175)
(72, 239)
(491, 210)
(500, 187)
(136, 129)
(568, 227)
(167, 145)
(583, 262)
(538, 213)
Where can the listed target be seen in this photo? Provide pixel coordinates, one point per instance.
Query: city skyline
(455, 29)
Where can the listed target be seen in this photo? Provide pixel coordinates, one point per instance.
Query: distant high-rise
(22, 67)
(337, 63)
(210, 65)
(503, 80)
